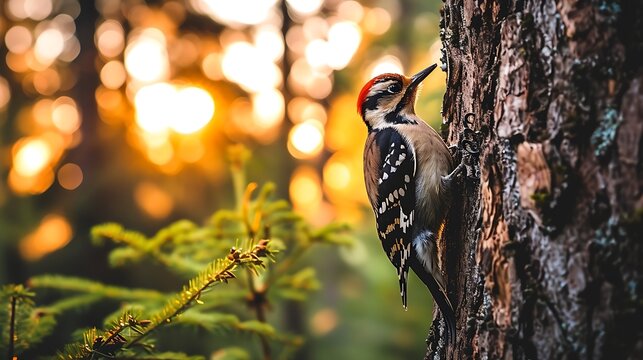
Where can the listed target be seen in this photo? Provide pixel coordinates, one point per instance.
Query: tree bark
(543, 250)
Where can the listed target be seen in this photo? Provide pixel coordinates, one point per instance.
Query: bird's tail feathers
(440, 296)
(403, 276)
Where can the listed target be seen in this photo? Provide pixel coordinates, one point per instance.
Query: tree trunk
(543, 249)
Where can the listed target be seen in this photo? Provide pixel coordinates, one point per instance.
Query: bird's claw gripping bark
(469, 147)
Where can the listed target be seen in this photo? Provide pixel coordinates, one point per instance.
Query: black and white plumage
(395, 206)
(407, 170)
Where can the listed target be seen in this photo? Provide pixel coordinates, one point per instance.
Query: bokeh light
(162, 106)
(194, 109)
(350, 10)
(305, 189)
(65, 115)
(70, 176)
(386, 64)
(237, 12)
(245, 65)
(53, 233)
(344, 38)
(377, 21)
(110, 38)
(18, 39)
(37, 9)
(154, 107)
(113, 74)
(305, 7)
(49, 44)
(31, 156)
(211, 66)
(153, 200)
(324, 321)
(306, 139)
(268, 108)
(5, 93)
(337, 174)
(146, 58)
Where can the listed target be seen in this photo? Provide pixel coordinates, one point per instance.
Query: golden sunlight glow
(49, 45)
(16, 8)
(65, 115)
(211, 66)
(146, 58)
(342, 132)
(350, 10)
(193, 109)
(70, 176)
(317, 53)
(154, 108)
(53, 233)
(295, 39)
(386, 64)
(18, 39)
(301, 108)
(344, 38)
(377, 21)
(247, 66)
(30, 185)
(306, 139)
(113, 74)
(31, 156)
(17, 62)
(337, 174)
(160, 154)
(41, 112)
(269, 42)
(324, 321)
(110, 38)
(319, 86)
(5, 93)
(305, 7)
(300, 75)
(37, 9)
(268, 107)
(46, 82)
(153, 200)
(191, 150)
(237, 12)
(315, 27)
(162, 106)
(71, 51)
(305, 189)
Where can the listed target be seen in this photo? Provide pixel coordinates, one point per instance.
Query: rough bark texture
(544, 250)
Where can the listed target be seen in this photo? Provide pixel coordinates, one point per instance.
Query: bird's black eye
(395, 88)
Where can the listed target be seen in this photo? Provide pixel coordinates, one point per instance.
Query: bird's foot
(469, 146)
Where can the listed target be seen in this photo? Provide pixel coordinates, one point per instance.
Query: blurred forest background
(122, 110)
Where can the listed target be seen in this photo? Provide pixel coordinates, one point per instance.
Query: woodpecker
(408, 171)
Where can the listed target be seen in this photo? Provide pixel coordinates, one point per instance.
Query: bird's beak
(417, 78)
(409, 94)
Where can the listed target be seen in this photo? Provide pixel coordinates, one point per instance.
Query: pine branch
(70, 303)
(106, 345)
(258, 302)
(12, 327)
(217, 272)
(70, 283)
(142, 244)
(298, 285)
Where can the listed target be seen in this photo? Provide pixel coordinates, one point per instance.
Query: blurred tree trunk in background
(544, 252)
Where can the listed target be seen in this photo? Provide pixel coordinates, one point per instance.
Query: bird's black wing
(395, 206)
